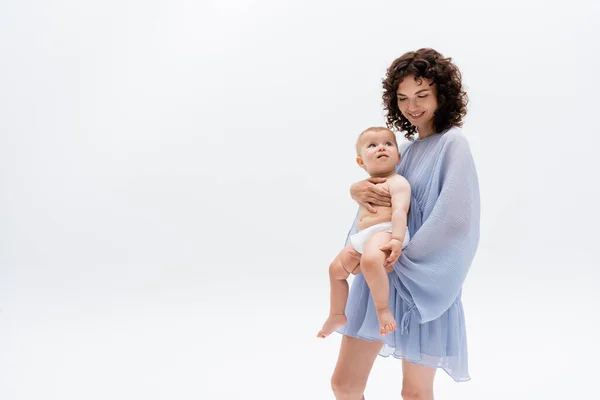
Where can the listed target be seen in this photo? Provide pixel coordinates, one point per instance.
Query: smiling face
(377, 151)
(417, 101)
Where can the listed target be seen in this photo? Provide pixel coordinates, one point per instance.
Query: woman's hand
(368, 194)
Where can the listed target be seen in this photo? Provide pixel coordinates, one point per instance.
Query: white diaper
(359, 239)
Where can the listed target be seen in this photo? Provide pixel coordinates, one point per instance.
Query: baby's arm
(400, 193)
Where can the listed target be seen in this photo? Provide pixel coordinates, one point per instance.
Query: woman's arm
(367, 194)
(433, 266)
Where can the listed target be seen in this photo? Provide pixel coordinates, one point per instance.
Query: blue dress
(425, 287)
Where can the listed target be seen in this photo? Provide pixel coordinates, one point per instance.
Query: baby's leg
(345, 262)
(372, 265)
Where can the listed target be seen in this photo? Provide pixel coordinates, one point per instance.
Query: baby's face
(379, 151)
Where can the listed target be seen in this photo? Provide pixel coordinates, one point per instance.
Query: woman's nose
(412, 103)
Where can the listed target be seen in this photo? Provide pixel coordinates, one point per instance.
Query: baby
(380, 238)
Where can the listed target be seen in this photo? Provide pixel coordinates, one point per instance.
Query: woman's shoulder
(455, 140)
(404, 145)
(453, 134)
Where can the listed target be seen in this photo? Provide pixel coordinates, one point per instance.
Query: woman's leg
(339, 270)
(417, 381)
(353, 366)
(372, 265)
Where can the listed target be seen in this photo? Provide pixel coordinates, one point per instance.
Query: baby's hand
(394, 246)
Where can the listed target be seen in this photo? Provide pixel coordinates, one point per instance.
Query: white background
(174, 182)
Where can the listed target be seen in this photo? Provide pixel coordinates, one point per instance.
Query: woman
(423, 94)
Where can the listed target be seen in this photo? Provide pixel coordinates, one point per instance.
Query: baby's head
(377, 151)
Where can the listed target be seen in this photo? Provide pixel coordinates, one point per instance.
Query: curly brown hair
(426, 63)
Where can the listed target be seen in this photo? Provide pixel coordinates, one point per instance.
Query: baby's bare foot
(334, 321)
(387, 323)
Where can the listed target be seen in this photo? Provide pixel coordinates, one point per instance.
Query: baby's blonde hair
(372, 129)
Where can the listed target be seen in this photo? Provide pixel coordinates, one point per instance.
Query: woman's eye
(422, 97)
(401, 99)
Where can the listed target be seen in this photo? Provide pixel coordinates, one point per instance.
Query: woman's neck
(425, 131)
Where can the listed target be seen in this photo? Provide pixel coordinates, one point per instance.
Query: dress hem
(419, 362)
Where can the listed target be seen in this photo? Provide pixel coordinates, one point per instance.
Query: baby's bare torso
(367, 218)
